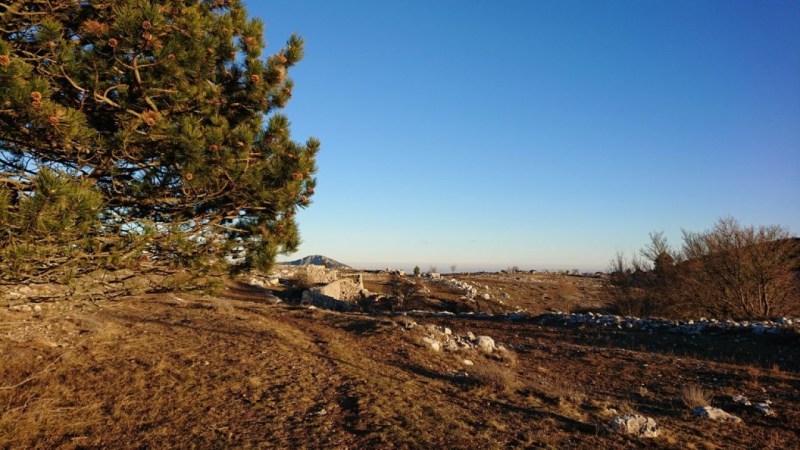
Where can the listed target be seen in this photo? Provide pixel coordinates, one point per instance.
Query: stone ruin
(333, 292)
(339, 295)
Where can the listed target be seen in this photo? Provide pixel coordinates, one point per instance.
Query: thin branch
(34, 376)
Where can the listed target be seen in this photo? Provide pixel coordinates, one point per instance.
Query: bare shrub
(508, 357)
(566, 296)
(626, 287)
(743, 270)
(493, 375)
(562, 393)
(222, 305)
(728, 271)
(402, 290)
(694, 396)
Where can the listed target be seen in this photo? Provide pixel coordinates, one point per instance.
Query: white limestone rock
(486, 344)
(716, 414)
(432, 343)
(635, 425)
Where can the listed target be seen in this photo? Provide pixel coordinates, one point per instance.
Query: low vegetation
(694, 396)
(729, 271)
(232, 371)
(493, 375)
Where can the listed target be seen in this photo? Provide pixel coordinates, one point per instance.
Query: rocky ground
(243, 370)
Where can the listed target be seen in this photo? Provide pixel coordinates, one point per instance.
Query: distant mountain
(318, 260)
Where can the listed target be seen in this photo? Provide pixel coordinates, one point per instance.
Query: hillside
(235, 371)
(317, 260)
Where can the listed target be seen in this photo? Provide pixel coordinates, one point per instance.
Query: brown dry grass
(694, 395)
(184, 371)
(491, 374)
(537, 292)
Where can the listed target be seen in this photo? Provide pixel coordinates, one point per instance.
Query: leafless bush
(730, 270)
(508, 357)
(744, 271)
(493, 375)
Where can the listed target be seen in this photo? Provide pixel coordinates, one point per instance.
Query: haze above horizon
(546, 134)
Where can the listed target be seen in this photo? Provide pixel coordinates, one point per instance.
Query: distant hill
(318, 260)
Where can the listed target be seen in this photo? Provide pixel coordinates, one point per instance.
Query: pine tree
(144, 129)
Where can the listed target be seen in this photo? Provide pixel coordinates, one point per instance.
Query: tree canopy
(144, 132)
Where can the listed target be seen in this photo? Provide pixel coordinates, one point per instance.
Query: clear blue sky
(543, 134)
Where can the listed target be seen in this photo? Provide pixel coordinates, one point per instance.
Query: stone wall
(340, 295)
(320, 275)
(341, 290)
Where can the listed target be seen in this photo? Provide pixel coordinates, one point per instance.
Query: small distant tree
(402, 290)
(144, 133)
(453, 268)
(416, 271)
(432, 269)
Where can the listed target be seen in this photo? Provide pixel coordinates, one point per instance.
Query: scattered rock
(409, 324)
(777, 326)
(741, 400)
(765, 408)
(271, 299)
(468, 362)
(256, 281)
(467, 289)
(451, 345)
(716, 414)
(432, 343)
(486, 344)
(432, 329)
(442, 338)
(635, 425)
